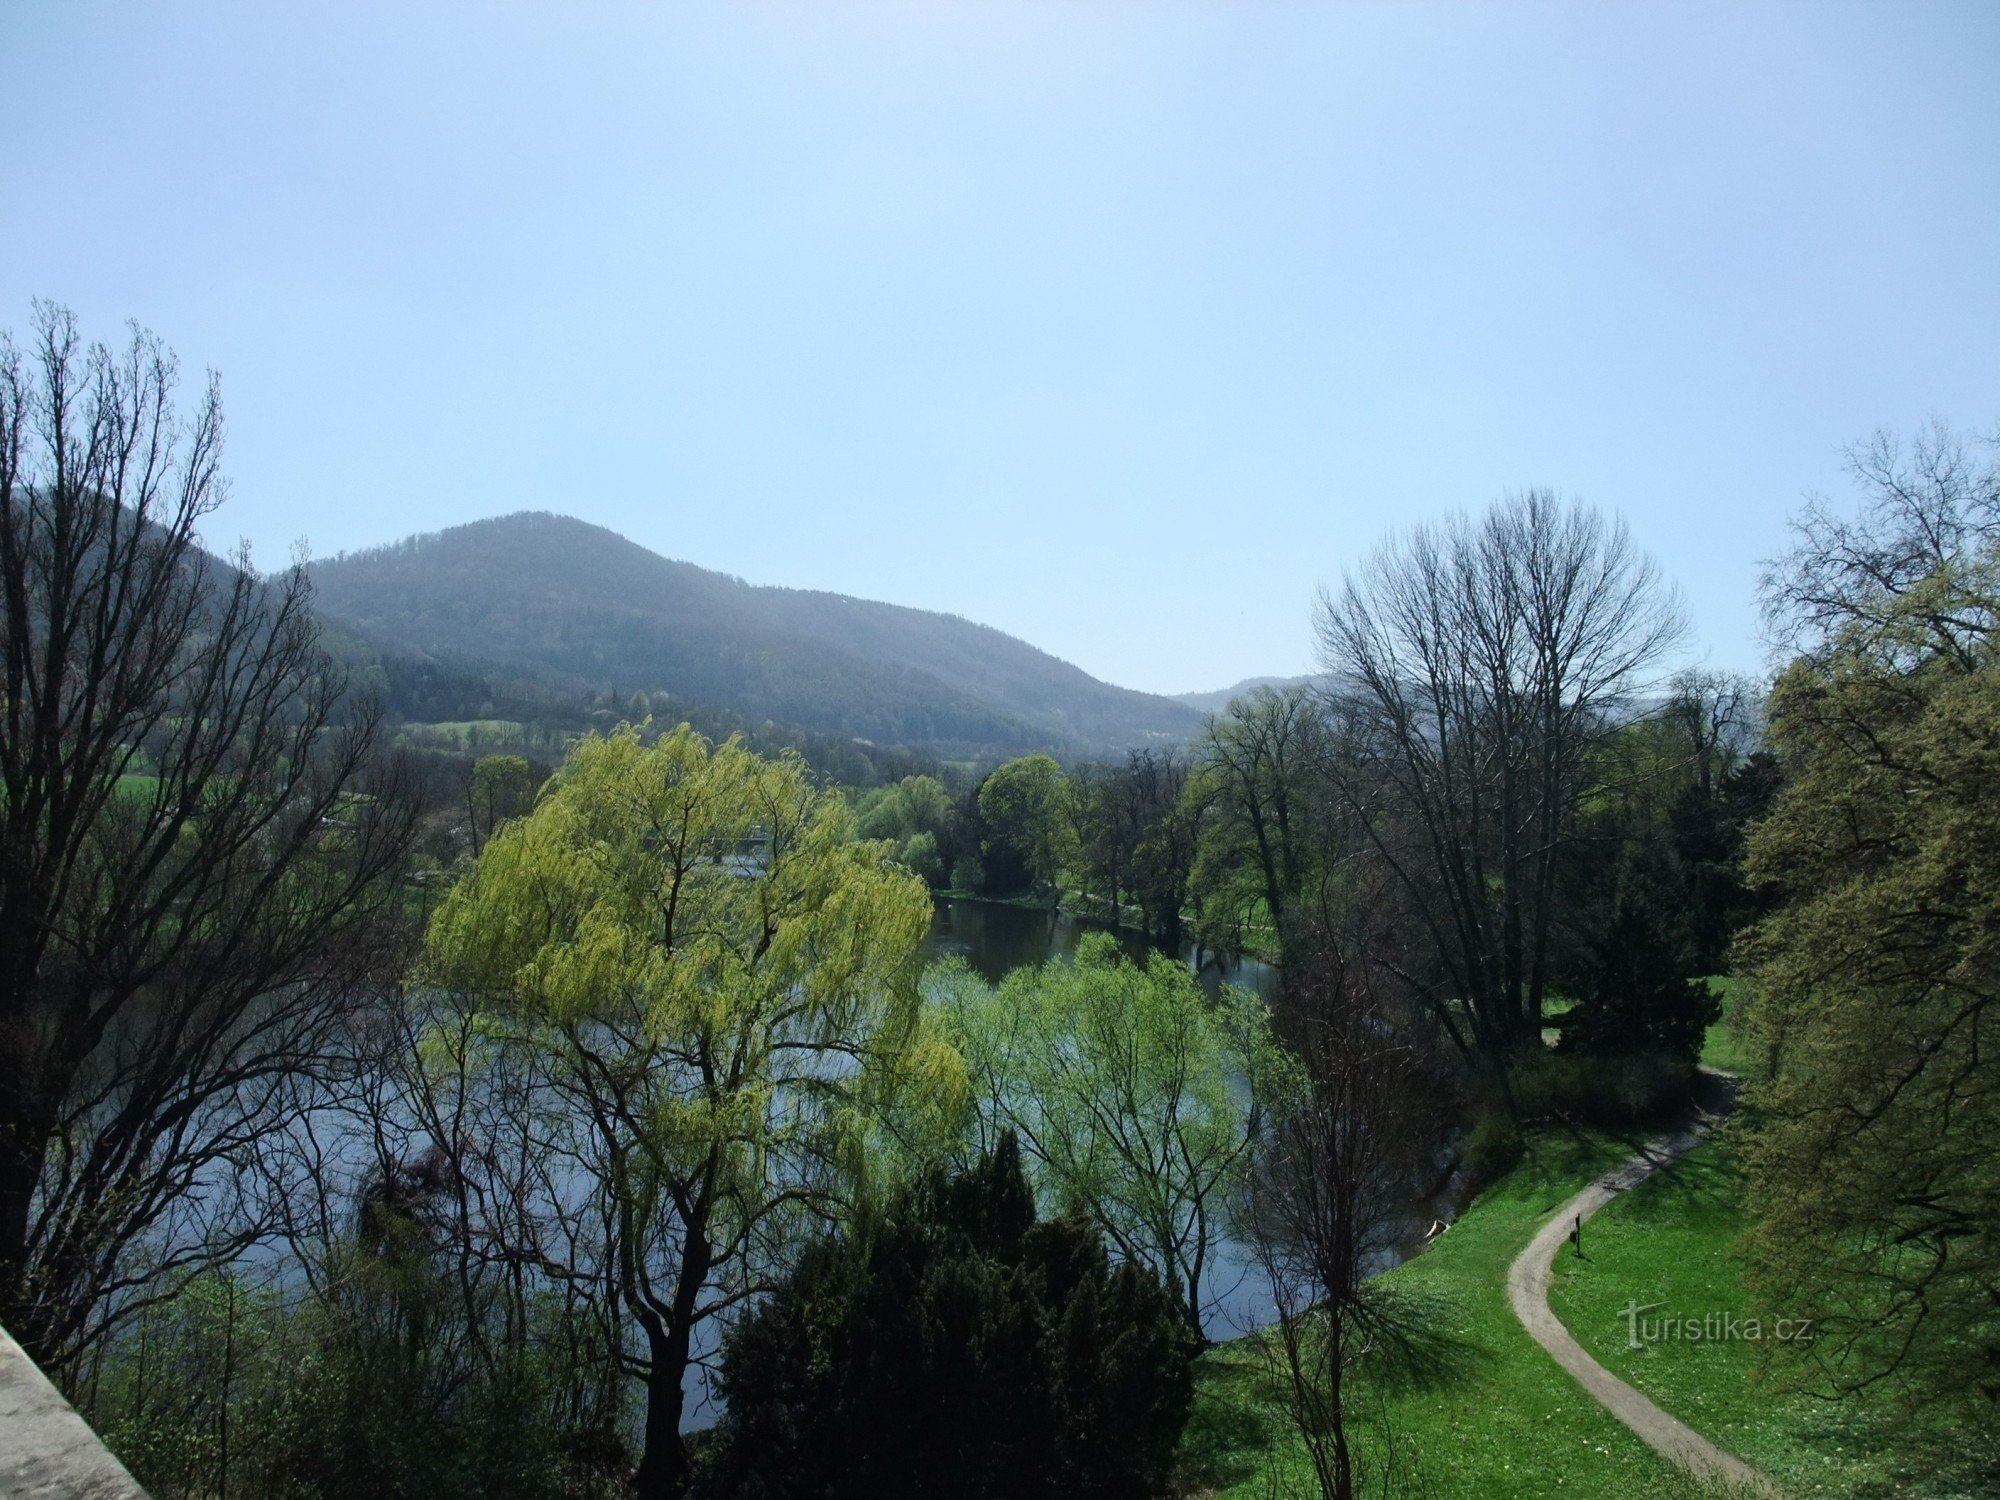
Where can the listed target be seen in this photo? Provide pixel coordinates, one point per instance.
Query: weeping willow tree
(1131, 1093)
(718, 981)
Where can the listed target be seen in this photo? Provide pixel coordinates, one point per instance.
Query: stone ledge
(47, 1451)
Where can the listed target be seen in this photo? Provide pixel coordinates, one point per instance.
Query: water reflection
(996, 937)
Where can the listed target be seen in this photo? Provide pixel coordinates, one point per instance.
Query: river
(995, 938)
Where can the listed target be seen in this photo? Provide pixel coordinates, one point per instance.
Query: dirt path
(1528, 1291)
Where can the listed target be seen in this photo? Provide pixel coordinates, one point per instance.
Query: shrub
(1491, 1147)
(375, 1384)
(1614, 1092)
(960, 1349)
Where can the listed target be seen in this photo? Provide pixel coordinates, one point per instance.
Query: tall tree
(1354, 1130)
(1264, 762)
(720, 982)
(1875, 982)
(1477, 664)
(1024, 807)
(500, 787)
(1134, 834)
(196, 855)
(1129, 1090)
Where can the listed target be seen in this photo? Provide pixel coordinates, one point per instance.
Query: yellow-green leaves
(1130, 1090)
(712, 967)
(1875, 978)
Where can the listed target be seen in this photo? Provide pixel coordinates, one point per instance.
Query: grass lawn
(1510, 1424)
(1723, 1047)
(464, 731)
(1670, 1241)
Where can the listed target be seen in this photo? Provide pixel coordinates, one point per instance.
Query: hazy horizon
(1120, 330)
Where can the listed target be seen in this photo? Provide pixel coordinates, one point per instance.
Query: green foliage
(1265, 838)
(502, 787)
(1637, 996)
(1492, 1146)
(1871, 1170)
(714, 900)
(1636, 1091)
(1024, 805)
(1873, 1174)
(1129, 1089)
(721, 979)
(1653, 893)
(1727, 1046)
(1134, 836)
(960, 1348)
(383, 1382)
(917, 816)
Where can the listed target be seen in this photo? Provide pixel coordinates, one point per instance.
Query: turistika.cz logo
(1708, 1328)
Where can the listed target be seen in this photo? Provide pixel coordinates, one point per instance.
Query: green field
(1509, 1423)
(1671, 1241)
(1725, 1047)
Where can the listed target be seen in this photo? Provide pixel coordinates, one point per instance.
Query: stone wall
(47, 1451)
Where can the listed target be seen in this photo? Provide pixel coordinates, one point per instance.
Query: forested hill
(571, 606)
(1219, 700)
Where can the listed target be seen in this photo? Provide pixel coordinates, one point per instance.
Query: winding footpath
(1528, 1291)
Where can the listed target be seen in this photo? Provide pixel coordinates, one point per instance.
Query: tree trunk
(22, 1146)
(663, 1467)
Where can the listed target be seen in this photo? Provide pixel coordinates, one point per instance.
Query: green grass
(1510, 1423)
(1724, 1046)
(461, 731)
(1671, 1241)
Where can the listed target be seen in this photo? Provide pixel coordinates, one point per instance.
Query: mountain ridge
(1218, 700)
(558, 600)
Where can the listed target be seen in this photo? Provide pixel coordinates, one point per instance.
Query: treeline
(1275, 834)
(492, 711)
(440, 1118)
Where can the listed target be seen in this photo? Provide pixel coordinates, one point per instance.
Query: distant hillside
(1217, 701)
(567, 605)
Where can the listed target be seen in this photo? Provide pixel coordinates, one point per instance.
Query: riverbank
(1506, 1421)
(1502, 1420)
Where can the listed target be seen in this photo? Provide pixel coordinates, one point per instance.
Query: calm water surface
(995, 938)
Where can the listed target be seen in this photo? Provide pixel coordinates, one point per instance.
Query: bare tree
(196, 853)
(1264, 761)
(1352, 1137)
(1476, 666)
(1714, 714)
(1932, 507)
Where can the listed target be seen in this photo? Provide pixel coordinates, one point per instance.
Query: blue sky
(1119, 326)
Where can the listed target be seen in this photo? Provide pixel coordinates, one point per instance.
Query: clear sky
(1119, 326)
